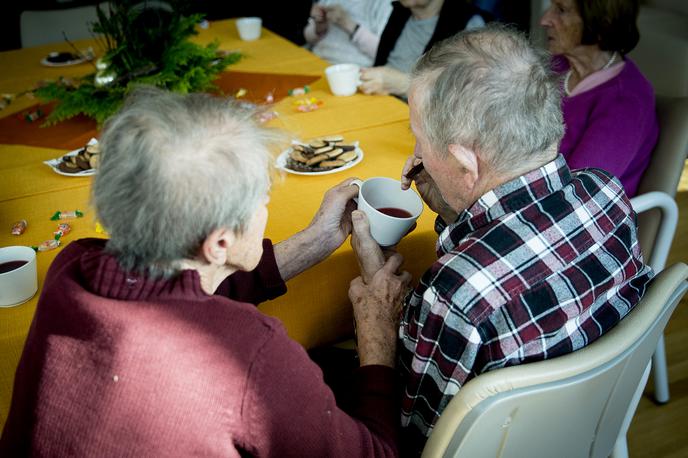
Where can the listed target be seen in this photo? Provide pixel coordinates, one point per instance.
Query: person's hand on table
(384, 81)
(329, 228)
(338, 16)
(428, 190)
(377, 309)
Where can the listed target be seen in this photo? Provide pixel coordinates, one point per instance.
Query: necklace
(568, 74)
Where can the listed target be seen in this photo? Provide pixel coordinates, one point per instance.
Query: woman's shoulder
(631, 81)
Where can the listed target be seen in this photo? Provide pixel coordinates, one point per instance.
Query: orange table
(315, 309)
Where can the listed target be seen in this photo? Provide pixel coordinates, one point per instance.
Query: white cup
(249, 28)
(343, 78)
(380, 193)
(20, 284)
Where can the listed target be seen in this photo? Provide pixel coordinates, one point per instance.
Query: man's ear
(216, 246)
(468, 163)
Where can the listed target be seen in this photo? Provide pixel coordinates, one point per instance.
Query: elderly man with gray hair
(534, 260)
(133, 350)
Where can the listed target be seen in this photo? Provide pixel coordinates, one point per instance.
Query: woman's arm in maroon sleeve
(259, 285)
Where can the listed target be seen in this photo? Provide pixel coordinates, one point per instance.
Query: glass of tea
(391, 211)
(18, 279)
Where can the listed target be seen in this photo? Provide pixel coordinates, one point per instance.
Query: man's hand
(368, 253)
(428, 190)
(384, 81)
(326, 232)
(377, 309)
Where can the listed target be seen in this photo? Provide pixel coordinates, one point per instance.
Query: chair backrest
(572, 405)
(664, 172)
(46, 26)
(662, 52)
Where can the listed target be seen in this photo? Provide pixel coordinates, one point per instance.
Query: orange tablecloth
(315, 309)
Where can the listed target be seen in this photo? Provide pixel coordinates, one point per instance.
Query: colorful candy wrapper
(306, 105)
(66, 215)
(48, 245)
(267, 116)
(270, 98)
(240, 93)
(31, 116)
(19, 227)
(63, 229)
(299, 91)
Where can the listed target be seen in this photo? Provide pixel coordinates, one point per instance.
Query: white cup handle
(358, 183)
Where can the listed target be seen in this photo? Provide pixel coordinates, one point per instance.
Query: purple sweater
(612, 126)
(117, 364)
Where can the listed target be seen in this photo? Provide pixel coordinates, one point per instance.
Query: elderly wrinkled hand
(384, 81)
(333, 219)
(368, 253)
(377, 309)
(428, 190)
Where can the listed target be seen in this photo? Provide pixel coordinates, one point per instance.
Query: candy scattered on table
(32, 115)
(63, 229)
(48, 245)
(66, 215)
(306, 105)
(19, 227)
(270, 98)
(240, 93)
(299, 91)
(267, 116)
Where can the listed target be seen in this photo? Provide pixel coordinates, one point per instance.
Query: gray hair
(490, 90)
(174, 168)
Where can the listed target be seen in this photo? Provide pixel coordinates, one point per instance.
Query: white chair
(41, 27)
(657, 211)
(573, 405)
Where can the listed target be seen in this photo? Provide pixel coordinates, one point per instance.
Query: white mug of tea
(18, 280)
(343, 79)
(391, 211)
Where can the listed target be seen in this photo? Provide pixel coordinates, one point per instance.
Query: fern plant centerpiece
(145, 43)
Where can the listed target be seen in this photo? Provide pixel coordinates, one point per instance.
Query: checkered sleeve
(439, 350)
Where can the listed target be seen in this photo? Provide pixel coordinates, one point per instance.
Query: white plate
(66, 63)
(281, 162)
(53, 163)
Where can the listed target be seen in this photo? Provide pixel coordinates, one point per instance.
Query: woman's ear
(468, 163)
(216, 246)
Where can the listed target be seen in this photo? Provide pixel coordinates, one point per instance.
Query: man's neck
(432, 9)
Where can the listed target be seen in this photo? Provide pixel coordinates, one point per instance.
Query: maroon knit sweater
(117, 364)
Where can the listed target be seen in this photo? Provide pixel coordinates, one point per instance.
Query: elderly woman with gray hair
(134, 350)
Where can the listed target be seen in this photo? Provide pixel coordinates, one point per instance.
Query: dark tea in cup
(394, 212)
(9, 266)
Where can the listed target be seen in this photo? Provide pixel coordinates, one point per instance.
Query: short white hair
(490, 90)
(174, 168)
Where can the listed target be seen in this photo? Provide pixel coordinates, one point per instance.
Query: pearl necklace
(568, 74)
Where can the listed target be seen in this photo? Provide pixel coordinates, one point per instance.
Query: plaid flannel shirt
(536, 268)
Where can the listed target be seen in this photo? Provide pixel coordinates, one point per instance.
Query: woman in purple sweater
(131, 354)
(608, 105)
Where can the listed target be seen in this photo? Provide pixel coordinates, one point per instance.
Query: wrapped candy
(299, 91)
(66, 215)
(63, 229)
(48, 245)
(240, 93)
(19, 227)
(309, 104)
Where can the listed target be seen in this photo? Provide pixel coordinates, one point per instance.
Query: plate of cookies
(81, 162)
(320, 156)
